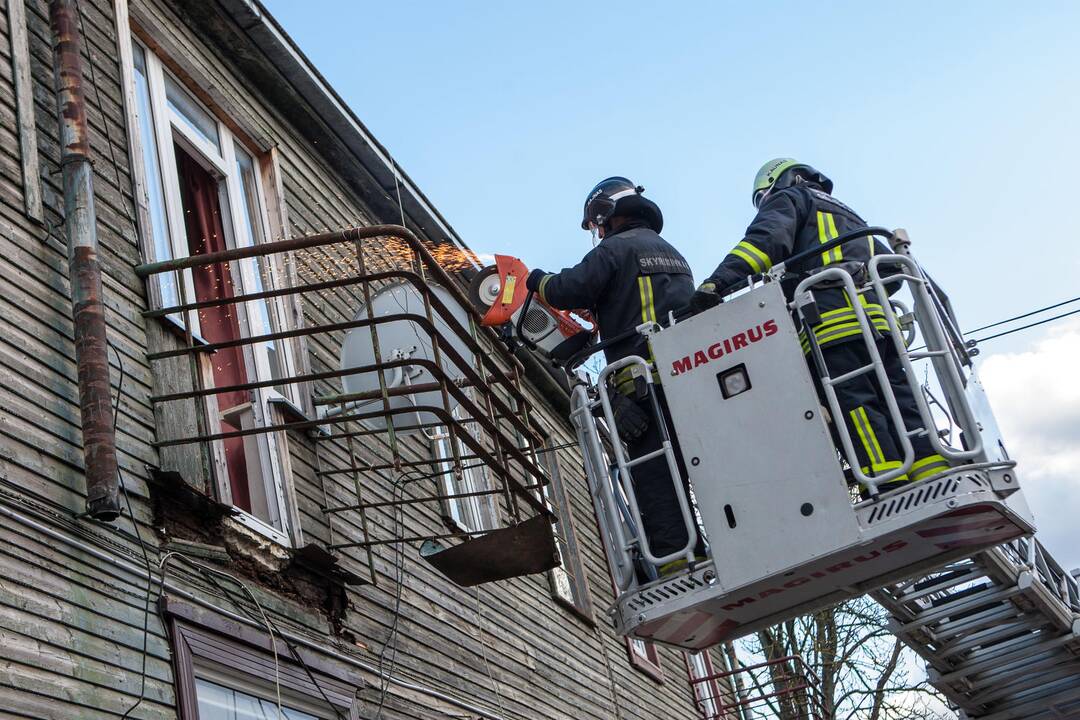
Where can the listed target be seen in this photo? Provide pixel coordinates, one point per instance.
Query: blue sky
(957, 121)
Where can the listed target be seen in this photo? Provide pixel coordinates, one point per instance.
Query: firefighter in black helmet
(631, 276)
(796, 211)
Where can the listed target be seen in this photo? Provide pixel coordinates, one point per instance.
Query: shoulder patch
(825, 197)
(653, 262)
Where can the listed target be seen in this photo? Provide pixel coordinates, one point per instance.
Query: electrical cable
(120, 365)
(262, 613)
(1026, 327)
(209, 574)
(483, 651)
(399, 579)
(1021, 317)
(138, 536)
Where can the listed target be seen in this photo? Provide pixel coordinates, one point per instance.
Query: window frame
(647, 660)
(482, 507)
(213, 648)
(580, 602)
(711, 685)
(168, 127)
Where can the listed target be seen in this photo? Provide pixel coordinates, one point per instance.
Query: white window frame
(475, 514)
(169, 127)
(706, 693)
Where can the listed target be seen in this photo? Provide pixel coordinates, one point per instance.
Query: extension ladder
(1000, 632)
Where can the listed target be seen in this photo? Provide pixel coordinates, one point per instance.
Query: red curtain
(202, 218)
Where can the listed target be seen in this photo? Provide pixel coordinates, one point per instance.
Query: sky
(956, 121)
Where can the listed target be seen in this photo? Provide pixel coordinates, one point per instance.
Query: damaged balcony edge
(192, 523)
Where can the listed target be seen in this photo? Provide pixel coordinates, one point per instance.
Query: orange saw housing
(512, 275)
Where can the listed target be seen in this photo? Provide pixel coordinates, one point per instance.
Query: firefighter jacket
(631, 277)
(793, 220)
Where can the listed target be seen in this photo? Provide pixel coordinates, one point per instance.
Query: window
(706, 688)
(218, 702)
(645, 657)
(227, 672)
(474, 509)
(569, 586)
(204, 195)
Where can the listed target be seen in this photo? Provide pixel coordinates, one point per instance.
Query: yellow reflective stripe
(747, 246)
(885, 467)
(929, 465)
(836, 252)
(746, 258)
(543, 286)
(648, 309)
(873, 437)
(857, 421)
(822, 236)
(649, 296)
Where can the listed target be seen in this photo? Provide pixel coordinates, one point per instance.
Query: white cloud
(1036, 400)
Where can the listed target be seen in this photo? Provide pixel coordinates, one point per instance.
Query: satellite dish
(402, 339)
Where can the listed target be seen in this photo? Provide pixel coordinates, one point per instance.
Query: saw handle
(519, 328)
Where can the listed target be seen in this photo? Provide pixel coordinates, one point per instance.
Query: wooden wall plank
(20, 59)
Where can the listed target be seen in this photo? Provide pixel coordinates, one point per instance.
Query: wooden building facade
(220, 595)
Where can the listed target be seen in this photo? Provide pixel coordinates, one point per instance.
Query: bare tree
(837, 664)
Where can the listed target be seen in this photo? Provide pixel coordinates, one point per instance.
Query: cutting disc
(485, 288)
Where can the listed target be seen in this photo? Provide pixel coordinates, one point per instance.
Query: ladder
(1000, 632)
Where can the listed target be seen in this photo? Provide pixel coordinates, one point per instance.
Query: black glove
(704, 297)
(533, 281)
(631, 421)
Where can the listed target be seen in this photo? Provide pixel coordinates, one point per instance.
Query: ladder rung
(990, 636)
(999, 660)
(1026, 681)
(976, 622)
(951, 580)
(962, 605)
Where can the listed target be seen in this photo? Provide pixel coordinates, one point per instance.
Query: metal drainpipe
(88, 311)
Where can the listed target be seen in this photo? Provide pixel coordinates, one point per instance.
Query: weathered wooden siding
(70, 623)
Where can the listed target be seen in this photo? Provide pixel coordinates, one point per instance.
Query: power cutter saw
(499, 294)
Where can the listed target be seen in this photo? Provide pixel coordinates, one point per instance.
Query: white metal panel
(763, 458)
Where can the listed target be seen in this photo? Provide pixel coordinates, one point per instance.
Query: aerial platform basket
(771, 493)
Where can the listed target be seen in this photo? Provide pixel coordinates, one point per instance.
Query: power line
(1027, 314)
(1029, 325)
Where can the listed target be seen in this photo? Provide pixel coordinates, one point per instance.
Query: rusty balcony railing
(263, 327)
(780, 689)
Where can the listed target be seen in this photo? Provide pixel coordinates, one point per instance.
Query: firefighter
(631, 276)
(796, 211)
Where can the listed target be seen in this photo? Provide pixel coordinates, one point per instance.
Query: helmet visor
(597, 211)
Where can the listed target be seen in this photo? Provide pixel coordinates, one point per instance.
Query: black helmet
(617, 196)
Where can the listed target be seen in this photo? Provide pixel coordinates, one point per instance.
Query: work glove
(704, 297)
(631, 421)
(533, 281)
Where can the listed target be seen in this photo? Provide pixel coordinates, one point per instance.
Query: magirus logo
(727, 346)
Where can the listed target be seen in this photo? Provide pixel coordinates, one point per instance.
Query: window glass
(475, 513)
(191, 113)
(259, 269)
(155, 197)
(217, 702)
(706, 690)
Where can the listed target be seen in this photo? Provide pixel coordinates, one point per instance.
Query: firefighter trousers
(876, 441)
(653, 487)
